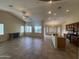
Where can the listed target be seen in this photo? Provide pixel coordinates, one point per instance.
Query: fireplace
(14, 35)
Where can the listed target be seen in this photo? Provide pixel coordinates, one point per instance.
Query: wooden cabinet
(74, 40)
(78, 27)
(72, 27)
(73, 32)
(61, 42)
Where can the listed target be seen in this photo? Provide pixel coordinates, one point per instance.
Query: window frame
(3, 29)
(30, 27)
(23, 29)
(37, 32)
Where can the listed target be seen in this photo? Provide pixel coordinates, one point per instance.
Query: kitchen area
(62, 39)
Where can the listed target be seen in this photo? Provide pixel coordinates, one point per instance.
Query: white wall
(12, 24)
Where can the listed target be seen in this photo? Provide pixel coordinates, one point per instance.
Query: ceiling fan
(26, 17)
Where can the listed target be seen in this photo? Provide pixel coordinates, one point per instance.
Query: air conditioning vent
(49, 0)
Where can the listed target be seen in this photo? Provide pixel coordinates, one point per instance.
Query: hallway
(33, 48)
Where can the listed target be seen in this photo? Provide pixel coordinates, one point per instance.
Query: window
(38, 29)
(22, 29)
(28, 28)
(1, 29)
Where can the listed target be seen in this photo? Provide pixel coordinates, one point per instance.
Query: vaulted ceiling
(38, 10)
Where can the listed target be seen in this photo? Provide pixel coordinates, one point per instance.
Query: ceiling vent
(49, 0)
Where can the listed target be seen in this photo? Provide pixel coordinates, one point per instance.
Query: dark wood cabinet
(72, 27)
(73, 33)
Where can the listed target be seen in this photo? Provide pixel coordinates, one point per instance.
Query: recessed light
(67, 11)
(50, 2)
(49, 12)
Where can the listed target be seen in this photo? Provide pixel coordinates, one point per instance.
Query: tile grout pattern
(34, 48)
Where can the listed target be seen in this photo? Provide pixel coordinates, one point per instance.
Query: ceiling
(38, 10)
